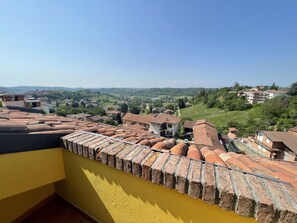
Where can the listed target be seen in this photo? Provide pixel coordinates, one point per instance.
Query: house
(32, 103)
(255, 96)
(188, 126)
(160, 124)
(205, 134)
(65, 170)
(276, 145)
(15, 100)
(18, 101)
(113, 114)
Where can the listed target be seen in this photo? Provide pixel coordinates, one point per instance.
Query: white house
(160, 124)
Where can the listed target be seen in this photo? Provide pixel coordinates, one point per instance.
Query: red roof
(206, 134)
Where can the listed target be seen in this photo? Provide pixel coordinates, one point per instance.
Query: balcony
(99, 178)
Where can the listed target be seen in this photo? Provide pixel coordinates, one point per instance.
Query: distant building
(276, 145)
(113, 114)
(160, 124)
(19, 101)
(255, 96)
(80, 116)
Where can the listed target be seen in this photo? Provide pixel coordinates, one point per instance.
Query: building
(80, 116)
(276, 145)
(188, 126)
(159, 124)
(19, 101)
(114, 115)
(255, 96)
(105, 173)
(15, 100)
(205, 134)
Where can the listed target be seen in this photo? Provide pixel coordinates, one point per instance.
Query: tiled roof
(152, 118)
(205, 134)
(228, 180)
(164, 118)
(189, 124)
(260, 187)
(144, 119)
(12, 121)
(287, 138)
(294, 129)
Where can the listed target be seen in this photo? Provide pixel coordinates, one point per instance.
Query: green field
(216, 116)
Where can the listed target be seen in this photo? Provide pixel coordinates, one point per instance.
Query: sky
(156, 43)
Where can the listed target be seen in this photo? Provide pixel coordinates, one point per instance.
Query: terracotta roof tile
(205, 134)
(179, 149)
(189, 124)
(194, 153)
(245, 193)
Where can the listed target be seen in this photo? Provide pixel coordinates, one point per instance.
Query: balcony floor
(58, 211)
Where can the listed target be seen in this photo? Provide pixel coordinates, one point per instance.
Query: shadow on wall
(111, 195)
(77, 190)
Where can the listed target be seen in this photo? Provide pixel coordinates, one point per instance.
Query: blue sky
(152, 43)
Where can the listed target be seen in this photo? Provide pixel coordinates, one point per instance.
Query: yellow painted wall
(13, 207)
(111, 195)
(25, 171)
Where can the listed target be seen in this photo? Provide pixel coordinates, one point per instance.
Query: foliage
(223, 98)
(181, 103)
(170, 107)
(65, 110)
(124, 108)
(135, 110)
(157, 103)
(279, 113)
(293, 89)
(111, 122)
(74, 95)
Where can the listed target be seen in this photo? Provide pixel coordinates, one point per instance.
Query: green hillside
(216, 116)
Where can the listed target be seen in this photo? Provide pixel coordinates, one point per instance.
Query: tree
(98, 111)
(75, 104)
(157, 103)
(135, 110)
(272, 110)
(293, 89)
(170, 107)
(124, 108)
(236, 85)
(83, 104)
(110, 122)
(181, 103)
(273, 87)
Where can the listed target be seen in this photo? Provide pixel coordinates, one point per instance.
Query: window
(267, 140)
(260, 136)
(169, 125)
